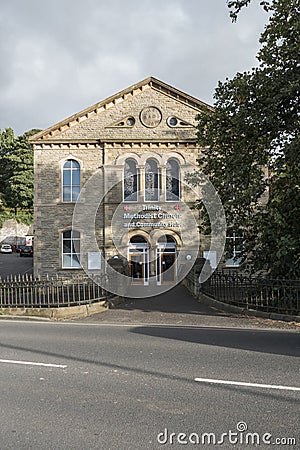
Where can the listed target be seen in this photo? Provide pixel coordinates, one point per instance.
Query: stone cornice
(65, 145)
(160, 143)
(111, 143)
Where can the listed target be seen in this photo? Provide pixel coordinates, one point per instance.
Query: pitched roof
(112, 100)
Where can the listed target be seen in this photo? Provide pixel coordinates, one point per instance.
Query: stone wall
(108, 120)
(52, 216)
(101, 141)
(13, 232)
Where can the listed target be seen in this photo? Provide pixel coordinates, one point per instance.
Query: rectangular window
(71, 249)
(234, 244)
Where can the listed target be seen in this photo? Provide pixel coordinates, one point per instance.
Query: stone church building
(110, 185)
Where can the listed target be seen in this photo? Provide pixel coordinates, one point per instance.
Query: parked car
(26, 250)
(6, 248)
(18, 248)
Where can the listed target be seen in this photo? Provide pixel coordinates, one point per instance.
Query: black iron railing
(34, 292)
(250, 292)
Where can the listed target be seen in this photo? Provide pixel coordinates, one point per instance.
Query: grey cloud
(60, 57)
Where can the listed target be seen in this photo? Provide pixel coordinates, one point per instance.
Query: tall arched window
(71, 249)
(151, 181)
(172, 180)
(130, 187)
(71, 181)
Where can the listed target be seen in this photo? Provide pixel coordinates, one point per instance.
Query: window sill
(66, 203)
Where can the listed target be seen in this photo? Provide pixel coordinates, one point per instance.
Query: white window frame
(233, 262)
(140, 250)
(72, 253)
(71, 185)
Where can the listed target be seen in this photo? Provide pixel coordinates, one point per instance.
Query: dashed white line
(241, 383)
(31, 363)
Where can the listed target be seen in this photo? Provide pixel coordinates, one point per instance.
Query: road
(12, 264)
(112, 384)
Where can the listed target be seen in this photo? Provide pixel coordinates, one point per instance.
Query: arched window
(130, 187)
(71, 249)
(137, 239)
(71, 181)
(166, 239)
(172, 180)
(151, 181)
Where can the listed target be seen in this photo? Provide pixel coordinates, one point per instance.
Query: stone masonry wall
(115, 143)
(52, 216)
(103, 124)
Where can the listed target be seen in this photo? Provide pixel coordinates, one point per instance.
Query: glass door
(137, 268)
(138, 261)
(166, 262)
(168, 267)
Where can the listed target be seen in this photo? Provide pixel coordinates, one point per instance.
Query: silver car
(6, 248)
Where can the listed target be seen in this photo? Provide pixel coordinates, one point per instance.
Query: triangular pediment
(150, 106)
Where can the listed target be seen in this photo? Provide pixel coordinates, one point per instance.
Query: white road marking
(241, 383)
(30, 363)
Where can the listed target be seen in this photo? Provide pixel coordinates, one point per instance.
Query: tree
(16, 171)
(235, 6)
(255, 125)
(7, 138)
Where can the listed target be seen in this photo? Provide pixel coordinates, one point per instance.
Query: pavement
(178, 307)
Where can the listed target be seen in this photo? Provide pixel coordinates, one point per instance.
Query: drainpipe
(102, 147)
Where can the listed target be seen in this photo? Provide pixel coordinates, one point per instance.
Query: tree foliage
(235, 6)
(251, 145)
(16, 171)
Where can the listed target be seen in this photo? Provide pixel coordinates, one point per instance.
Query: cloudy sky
(59, 57)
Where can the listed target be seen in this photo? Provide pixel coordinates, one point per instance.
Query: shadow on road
(176, 300)
(274, 342)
